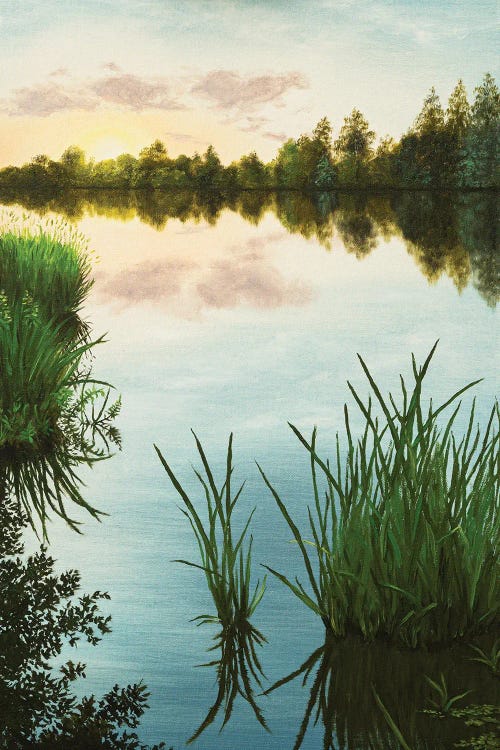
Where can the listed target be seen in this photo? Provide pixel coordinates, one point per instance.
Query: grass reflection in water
(340, 675)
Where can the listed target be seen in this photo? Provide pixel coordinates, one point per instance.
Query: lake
(240, 316)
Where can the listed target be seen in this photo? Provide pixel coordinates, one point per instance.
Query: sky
(114, 75)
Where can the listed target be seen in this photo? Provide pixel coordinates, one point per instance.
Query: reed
(54, 415)
(226, 560)
(49, 266)
(404, 543)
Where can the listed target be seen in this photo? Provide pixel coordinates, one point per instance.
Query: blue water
(238, 328)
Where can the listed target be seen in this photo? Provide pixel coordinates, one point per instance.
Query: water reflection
(341, 676)
(237, 668)
(447, 234)
(244, 275)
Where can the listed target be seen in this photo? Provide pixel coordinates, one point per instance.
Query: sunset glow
(108, 147)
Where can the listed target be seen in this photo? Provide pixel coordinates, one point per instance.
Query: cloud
(135, 93)
(184, 137)
(253, 124)
(149, 280)
(229, 90)
(44, 99)
(281, 137)
(239, 98)
(245, 276)
(122, 89)
(59, 72)
(113, 67)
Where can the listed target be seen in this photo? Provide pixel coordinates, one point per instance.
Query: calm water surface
(237, 325)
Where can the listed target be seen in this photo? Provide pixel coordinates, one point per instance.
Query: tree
(428, 151)
(355, 137)
(486, 107)
(151, 159)
(74, 166)
(154, 155)
(306, 164)
(458, 112)
(41, 160)
(382, 166)
(104, 173)
(325, 177)
(431, 117)
(42, 174)
(354, 146)
(207, 171)
(252, 173)
(480, 152)
(457, 123)
(125, 167)
(322, 134)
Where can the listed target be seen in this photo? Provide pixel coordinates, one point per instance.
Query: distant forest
(456, 147)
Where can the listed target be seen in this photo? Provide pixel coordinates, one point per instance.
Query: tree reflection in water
(452, 234)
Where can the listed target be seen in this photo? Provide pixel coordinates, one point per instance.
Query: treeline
(456, 147)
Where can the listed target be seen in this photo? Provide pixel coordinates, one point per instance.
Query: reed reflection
(341, 676)
(238, 671)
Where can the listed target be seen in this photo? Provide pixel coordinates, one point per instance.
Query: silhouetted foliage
(40, 613)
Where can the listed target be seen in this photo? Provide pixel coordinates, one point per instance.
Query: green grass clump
(405, 542)
(53, 415)
(226, 561)
(49, 266)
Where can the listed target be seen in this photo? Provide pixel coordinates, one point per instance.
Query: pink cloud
(149, 280)
(281, 137)
(247, 277)
(135, 93)
(239, 97)
(227, 89)
(59, 72)
(113, 67)
(44, 99)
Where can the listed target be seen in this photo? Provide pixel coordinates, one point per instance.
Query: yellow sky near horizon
(112, 132)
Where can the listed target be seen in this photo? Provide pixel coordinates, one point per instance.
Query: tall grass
(226, 560)
(404, 544)
(53, 415)
(48, 265)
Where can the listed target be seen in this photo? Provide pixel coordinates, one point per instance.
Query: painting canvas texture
(249, 357)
